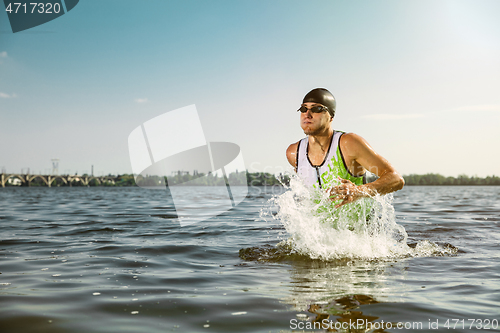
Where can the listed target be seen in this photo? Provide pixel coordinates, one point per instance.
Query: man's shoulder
(291, 153)
(350, 137)
(352, 142)
(293, 145)
(292, 149)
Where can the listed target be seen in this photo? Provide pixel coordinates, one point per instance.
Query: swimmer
(336, 161)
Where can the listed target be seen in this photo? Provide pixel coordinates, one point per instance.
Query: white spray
(366, 229)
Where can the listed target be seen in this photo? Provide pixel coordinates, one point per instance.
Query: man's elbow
(400, 182)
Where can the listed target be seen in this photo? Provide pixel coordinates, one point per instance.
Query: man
(337, 161)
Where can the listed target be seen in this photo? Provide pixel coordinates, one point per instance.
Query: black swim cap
(322, 96)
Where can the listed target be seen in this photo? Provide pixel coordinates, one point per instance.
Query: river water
(115, 260)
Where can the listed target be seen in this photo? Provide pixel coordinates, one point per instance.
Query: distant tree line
(437, 179)
(201, 179)
(183, 178)
(267, 179)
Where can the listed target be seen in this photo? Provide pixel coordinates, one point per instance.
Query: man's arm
(291, 155)
(360, 156)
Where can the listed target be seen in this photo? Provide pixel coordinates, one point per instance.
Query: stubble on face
(315, 124)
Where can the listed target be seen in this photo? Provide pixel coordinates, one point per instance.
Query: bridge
(68, 180)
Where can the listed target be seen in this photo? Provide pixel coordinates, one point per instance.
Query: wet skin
(358, 155)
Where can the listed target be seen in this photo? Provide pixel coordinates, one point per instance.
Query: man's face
(314, 123)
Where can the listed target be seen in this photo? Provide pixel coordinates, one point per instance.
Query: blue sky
(418, 79)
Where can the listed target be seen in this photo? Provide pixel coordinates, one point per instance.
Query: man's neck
(321, 140)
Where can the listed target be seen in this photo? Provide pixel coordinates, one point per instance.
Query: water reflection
(340, 315)
(327, 294)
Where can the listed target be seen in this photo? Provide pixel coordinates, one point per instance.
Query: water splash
(365, 229)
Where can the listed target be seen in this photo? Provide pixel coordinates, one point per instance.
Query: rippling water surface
(115, 260)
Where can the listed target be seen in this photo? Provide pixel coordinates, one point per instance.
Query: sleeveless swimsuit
(324, 176)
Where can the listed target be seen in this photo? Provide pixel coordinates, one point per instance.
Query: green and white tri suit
(333, 166)
(325, 176)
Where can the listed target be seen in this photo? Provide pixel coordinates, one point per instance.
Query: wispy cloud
(388, 116)
(468, 108)
(3, 55)
(476, 108)
(4, 95)
(141, 100)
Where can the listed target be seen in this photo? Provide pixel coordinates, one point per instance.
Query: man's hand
(347, 192)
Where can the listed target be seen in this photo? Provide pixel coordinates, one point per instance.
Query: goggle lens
(314, 109)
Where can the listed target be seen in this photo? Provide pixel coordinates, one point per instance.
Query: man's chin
(308, 131)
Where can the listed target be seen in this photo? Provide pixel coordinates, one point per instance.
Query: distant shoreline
(440, 180)
(267, 179)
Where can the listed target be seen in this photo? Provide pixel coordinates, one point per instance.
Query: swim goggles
(314, 109)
